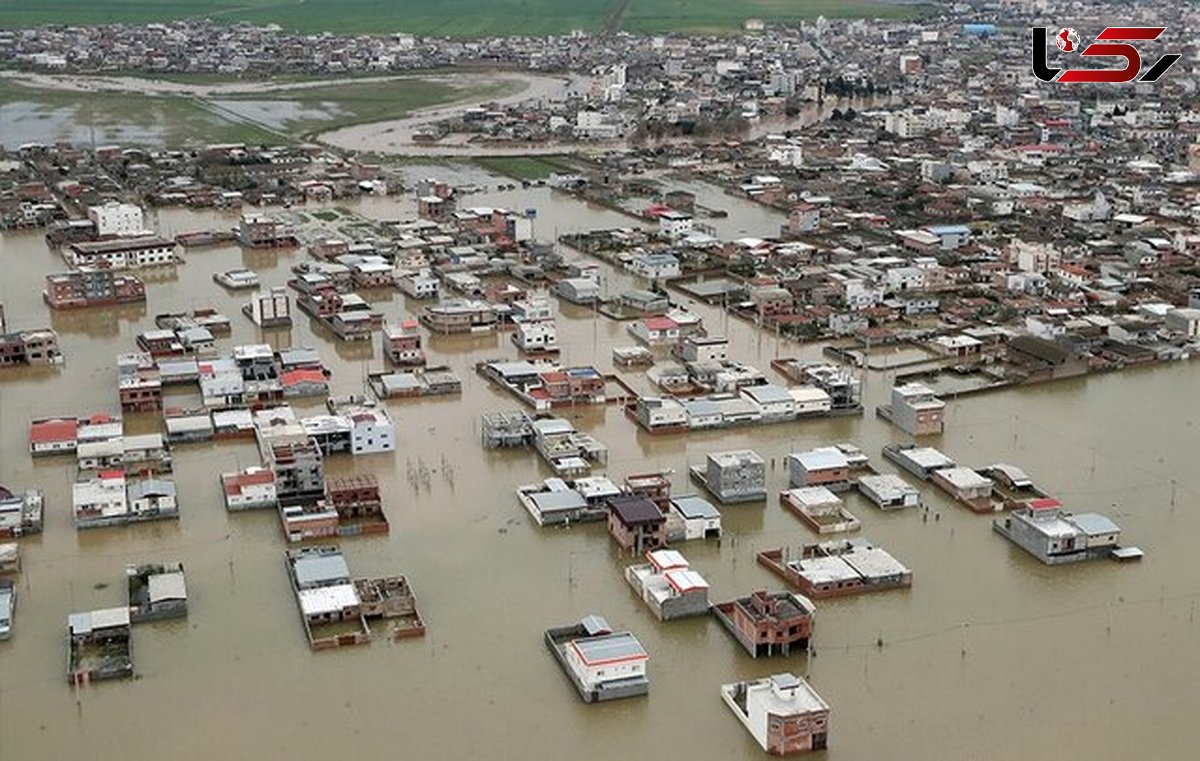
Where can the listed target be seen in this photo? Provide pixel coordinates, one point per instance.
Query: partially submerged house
(782, 712)
(636, 523)
(602, 664)
(922, 462)
(699, 518)
(10, 558)
(889, 491)
(820, 509)
(252, 488)
(768, 623)
(824, 466)
(391, 598)
(668, 585)
(915, 410)
(556, 501)
(967, 487)
(8, 607)
(156, 591)
(99, 646)
(329, 604)
(835, 568)
(1054, 536)
(731, 477)
(20, 514)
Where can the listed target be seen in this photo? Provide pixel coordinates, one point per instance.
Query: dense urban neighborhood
(822, 341)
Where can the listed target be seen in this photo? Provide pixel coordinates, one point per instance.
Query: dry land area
(456, 18)
(528, 167)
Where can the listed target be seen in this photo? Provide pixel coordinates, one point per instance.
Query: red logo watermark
(1113, 42)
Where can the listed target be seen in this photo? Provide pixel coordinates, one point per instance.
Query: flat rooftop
(927, 458)
(609, 648)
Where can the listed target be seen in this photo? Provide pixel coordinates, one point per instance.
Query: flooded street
(989, 655)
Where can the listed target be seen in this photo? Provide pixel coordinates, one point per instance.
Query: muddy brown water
(989, 655)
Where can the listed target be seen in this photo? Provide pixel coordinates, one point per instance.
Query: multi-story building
(271, 308)
(20, 514)
(371, 430)
(115, 219)
(418, 285)
(402, 344)
(1054, 536)
(782, 712)
(29, 347)
(92, 287)
(636, 523)
(249, 489)
(259, 231)
(289, 452)
(122, 253)
(668, 585)
(768, 623)
(915, 410)
(465, 316)
(101, 501)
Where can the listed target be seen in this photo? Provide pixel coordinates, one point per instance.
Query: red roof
(46, 431)
(1045, 503)
(660, 323)
(293, 377)
(234, 482)
(556, 376)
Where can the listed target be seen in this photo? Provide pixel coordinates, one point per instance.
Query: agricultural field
(528, 167)
(453, 18)
(723, 16)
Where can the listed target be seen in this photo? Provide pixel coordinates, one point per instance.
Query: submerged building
(783, 713)
(768, 623)
(602, 664)
(1053, 536)
(668, 585)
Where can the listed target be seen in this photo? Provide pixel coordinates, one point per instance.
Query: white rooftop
(167, 586)
(822, 458)
(321, 600)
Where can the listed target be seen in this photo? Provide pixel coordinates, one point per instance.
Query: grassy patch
(527, 167)
(451, 18)
(722, 16)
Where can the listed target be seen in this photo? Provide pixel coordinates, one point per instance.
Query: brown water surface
(989, 655)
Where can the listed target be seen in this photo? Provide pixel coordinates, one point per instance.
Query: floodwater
(278, 114)
(989, 655)
(31, 122)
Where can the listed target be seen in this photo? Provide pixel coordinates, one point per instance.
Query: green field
(527, 167)
(718, 16)
(453, 18)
